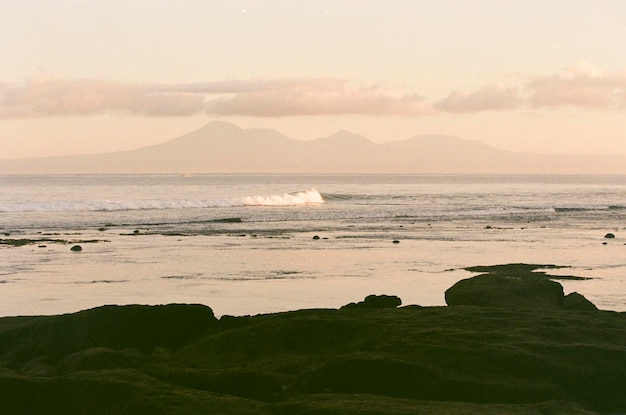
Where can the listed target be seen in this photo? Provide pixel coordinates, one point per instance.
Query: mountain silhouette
(221, 147)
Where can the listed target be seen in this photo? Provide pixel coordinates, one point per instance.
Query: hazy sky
(80, 76)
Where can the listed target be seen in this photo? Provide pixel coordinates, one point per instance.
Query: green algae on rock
(180, 359)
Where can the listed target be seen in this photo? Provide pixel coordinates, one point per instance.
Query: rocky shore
(509, 342)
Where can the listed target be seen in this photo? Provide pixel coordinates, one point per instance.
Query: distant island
(221, 147)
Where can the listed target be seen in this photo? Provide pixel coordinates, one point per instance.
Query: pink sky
(537, 76)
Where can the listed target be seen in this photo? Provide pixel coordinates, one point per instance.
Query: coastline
(170, 239)
(370, 357)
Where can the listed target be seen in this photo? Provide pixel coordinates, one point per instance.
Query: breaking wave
(308, 197)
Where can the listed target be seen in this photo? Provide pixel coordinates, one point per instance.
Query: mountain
(221, 147)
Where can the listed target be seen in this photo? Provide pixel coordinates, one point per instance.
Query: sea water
(249, 244)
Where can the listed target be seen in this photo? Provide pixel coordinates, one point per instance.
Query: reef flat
(530, 351)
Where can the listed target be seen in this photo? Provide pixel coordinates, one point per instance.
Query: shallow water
(244, 244)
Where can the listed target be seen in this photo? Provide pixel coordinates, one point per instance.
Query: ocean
(250, 244)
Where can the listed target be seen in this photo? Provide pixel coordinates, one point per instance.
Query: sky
(545, 76)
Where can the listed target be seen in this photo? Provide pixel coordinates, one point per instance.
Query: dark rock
(609, 236)
(515, 287)
(395, 241)
(316, 237)
(372, 302)
(578, 302)
(365, 375)
(509, 292)
(245, 383)
(446, 360)
(98, 358)
(76, 248)
(112, 327)
(227, 220)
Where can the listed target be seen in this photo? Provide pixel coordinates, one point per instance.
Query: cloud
(320, 97)
(580, 85)
(46, 97)
(490, 97)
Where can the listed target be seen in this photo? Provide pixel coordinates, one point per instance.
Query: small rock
(102, 229)
(136, 231)
(42, 246)
(376, 302)
(395, 241)
(76, 248)
(316, 237)
(609, 236)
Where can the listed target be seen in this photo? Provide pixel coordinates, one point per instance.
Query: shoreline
(535, 352)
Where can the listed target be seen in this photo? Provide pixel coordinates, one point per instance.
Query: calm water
(245, 244)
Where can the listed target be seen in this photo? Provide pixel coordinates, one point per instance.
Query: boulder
(520, 288)
(373, 302)
(509, 292)
(138, 327)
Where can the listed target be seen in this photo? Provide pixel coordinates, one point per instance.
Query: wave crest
(288, 199)
(308, 197)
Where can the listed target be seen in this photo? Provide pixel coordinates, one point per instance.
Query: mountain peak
(222, 147)
(344, 137)
(222, 127)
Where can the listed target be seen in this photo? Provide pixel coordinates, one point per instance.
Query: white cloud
(496, 97)
(46, 97)
(319, 97)
(580, 85)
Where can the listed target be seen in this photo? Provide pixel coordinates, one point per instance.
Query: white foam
(307, 197)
